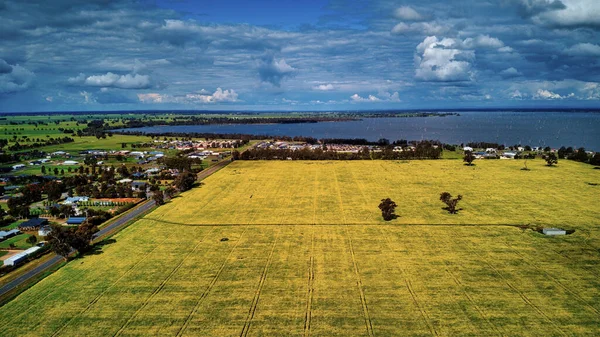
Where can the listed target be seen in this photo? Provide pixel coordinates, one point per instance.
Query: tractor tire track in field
(256, 299)
(311, 286)
(526, 299)
(97, 298)
(470, 299)
(160, 286)
(411, 291)
(557, 282)
(514, 289)
(363, 299)
(210, 286)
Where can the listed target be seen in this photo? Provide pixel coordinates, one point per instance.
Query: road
(55, 259)
(114, 226)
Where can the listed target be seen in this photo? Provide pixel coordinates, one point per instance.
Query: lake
(554, 129)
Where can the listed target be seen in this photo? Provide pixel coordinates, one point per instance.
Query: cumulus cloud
(574, 13)
(427, 28)
(546, 94)
(583, 49)
(381, 97)
(510, 72)
(219, 96)
(14, 78)
(442, 61)
(483, 41)
(324, 87)
(408, 13)
(108, 80)
(274, 71)
(528, 8)
(5, 68)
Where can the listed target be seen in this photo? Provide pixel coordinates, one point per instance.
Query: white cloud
(483, 41)
(408, 13)
(510, 72)
(584, 49)
(274, 71)
(443, 61)
(427, 28)
(574, 13)
(383, 97)
(546, 94)
(324, 87)
(151, 98)
(109, 79)
(88, 98)
(219, 96)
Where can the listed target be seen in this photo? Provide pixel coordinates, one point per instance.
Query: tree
(158, 198)
(469, 158)
(388, 207)
(185, 181)
(170, 192)
(43, 168)
(54, 190)
(81, 238)
(32, 240)
(235, 155)
(446, 198)
(59, 240)
(551, 159)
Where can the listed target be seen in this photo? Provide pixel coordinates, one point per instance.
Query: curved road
(114, 226)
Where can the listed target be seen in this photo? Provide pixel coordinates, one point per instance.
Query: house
(70, 162)
(44, 231)
(18, 167)
(75, 220)
(35, 162)
(554, 231)
(75, 200)
(490, 150)
(125, 181)
(138, 186)
(33, 224)
(58, 153)
(151, 171)
(468, 148)
(509, 155)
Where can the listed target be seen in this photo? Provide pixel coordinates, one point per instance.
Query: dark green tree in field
(469, 158)
(451, 203)
(59, 240)
(158, 198)
(185, 181)
(551, 159)
(388, 208)
(43, 168)
(169, 192)
(32, 240)
(81, 238)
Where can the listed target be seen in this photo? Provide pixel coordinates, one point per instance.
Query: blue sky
(298, 55)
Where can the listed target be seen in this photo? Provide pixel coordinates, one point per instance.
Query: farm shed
(74, 200)
(21, 257)
(554, 231)
(33, 224)
(75, 220)
(5, 235)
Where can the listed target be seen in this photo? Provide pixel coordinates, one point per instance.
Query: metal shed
(554, 231)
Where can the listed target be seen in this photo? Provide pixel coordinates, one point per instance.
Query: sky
(283, 55)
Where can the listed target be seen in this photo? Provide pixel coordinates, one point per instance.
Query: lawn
(278, 274)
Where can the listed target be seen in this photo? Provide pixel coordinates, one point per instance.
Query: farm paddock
(179, 277)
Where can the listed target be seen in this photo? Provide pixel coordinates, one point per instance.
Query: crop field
(306, 255)
(494, 192)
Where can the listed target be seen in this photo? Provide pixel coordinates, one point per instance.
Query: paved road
(55, 259)
(115, 225)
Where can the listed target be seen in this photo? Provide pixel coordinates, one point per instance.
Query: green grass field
(424, 274)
